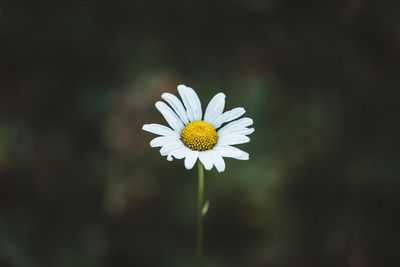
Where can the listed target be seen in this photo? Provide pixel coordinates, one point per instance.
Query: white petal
(186, 101)
(231, 152)
(191, 102)
(215, 108)
(162, 140)
(238, 124)
(239, 131)
(159, 129)
(177, 106)
(180, 153)
(170, 116)
(206, 160)
(233, 139)
(191, 159)
(218, 161)
(170, 147)
(229, 116)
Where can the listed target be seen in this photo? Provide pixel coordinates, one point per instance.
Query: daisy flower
(192, 136)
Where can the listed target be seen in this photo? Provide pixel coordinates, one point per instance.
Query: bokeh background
(80, 186)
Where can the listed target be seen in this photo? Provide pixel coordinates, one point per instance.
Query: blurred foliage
(80, 186)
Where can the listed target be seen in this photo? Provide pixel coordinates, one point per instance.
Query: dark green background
(80, 186)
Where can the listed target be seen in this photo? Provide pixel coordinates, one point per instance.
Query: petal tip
(221, 170)
(181, 87)
(222, 94)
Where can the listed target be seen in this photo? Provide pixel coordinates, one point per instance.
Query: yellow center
(199, 135)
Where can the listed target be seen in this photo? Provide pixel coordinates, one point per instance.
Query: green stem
(200, 216)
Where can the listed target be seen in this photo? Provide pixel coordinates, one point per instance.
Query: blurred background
(80, 185)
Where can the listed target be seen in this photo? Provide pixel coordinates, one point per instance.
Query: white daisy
(193, 137)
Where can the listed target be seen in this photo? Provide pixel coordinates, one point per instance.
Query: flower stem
(200, 216)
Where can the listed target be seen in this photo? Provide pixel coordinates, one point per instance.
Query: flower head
(193, 137)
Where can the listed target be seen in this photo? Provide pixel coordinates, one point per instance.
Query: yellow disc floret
(199, 135)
